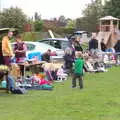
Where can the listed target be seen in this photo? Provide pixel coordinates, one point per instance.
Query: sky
(48, 8)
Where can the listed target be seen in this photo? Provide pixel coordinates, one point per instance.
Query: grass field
(99, 100)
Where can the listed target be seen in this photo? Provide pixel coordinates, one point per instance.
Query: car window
(64, 44)
(44, 46)
(30, 47)
(46, 41)
(56, 43)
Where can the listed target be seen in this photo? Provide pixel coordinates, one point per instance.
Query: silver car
(33, 47)
(60, 43)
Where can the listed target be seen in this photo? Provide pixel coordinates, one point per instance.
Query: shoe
(73, 86)
(81, 87)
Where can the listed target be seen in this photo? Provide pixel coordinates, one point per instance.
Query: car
(60, 43)
(37, 47)
(84, 36)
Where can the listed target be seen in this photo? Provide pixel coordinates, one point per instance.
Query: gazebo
(109, 23)
(109, 31)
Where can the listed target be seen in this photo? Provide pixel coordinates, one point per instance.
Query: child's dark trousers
(75, 77)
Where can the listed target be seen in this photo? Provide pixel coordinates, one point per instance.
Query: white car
(33, 47)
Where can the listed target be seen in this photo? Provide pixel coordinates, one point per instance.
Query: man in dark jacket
(93, 44)
(46, 56)
(117, 46)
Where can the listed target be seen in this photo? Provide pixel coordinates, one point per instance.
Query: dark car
(60, 43)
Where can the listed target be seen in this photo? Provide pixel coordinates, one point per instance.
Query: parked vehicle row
(34, 47)
(59, 43)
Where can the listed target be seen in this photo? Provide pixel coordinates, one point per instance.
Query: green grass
(99, 100)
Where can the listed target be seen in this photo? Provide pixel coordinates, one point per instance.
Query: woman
(77, 45)
(20, 50)
(68, 60)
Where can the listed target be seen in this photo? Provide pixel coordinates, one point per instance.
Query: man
(46, 56)
(7, 49)
(93, 43)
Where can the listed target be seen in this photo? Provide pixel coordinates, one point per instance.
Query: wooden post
(111, 26)
(100, 25)
(117, 24)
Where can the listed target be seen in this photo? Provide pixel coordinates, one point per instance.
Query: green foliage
(29, 36)
(91, 14)
(71, 24)
(61, 21)
(99, 100)
(85, 46)
(13, 18)
(112, 8)
(38, 25)
(64, 30)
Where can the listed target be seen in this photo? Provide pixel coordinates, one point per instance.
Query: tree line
(14, 17)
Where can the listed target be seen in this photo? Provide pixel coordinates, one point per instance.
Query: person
(61, 75)
(1, 55)
(93, 43)
(68, 60)
(7, 49)
(77, 45)
(78, 70)
(46, 56)
(117, 46)
(20, 49)
(117, 50)
(73, 50)
(103, 46)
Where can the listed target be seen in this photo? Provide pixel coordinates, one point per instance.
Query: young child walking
(78, 70)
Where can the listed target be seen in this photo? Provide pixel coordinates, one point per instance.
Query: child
(60, 74)
(78, 70)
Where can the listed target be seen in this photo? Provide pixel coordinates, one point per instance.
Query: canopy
(109, 18)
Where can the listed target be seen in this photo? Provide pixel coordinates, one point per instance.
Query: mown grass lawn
(99, 100)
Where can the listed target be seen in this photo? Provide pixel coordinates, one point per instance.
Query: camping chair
(89, 67)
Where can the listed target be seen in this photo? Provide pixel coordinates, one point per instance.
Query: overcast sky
(48, 8)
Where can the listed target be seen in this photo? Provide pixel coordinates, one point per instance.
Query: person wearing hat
(7, 49)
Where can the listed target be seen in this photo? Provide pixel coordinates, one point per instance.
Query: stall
(32, 66)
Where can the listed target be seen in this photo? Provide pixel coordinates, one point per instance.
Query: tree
(112, 8)
(71, 24)
(37, 16)
(92, 13)
(62, 20)
(38, 25)
(13, 17)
